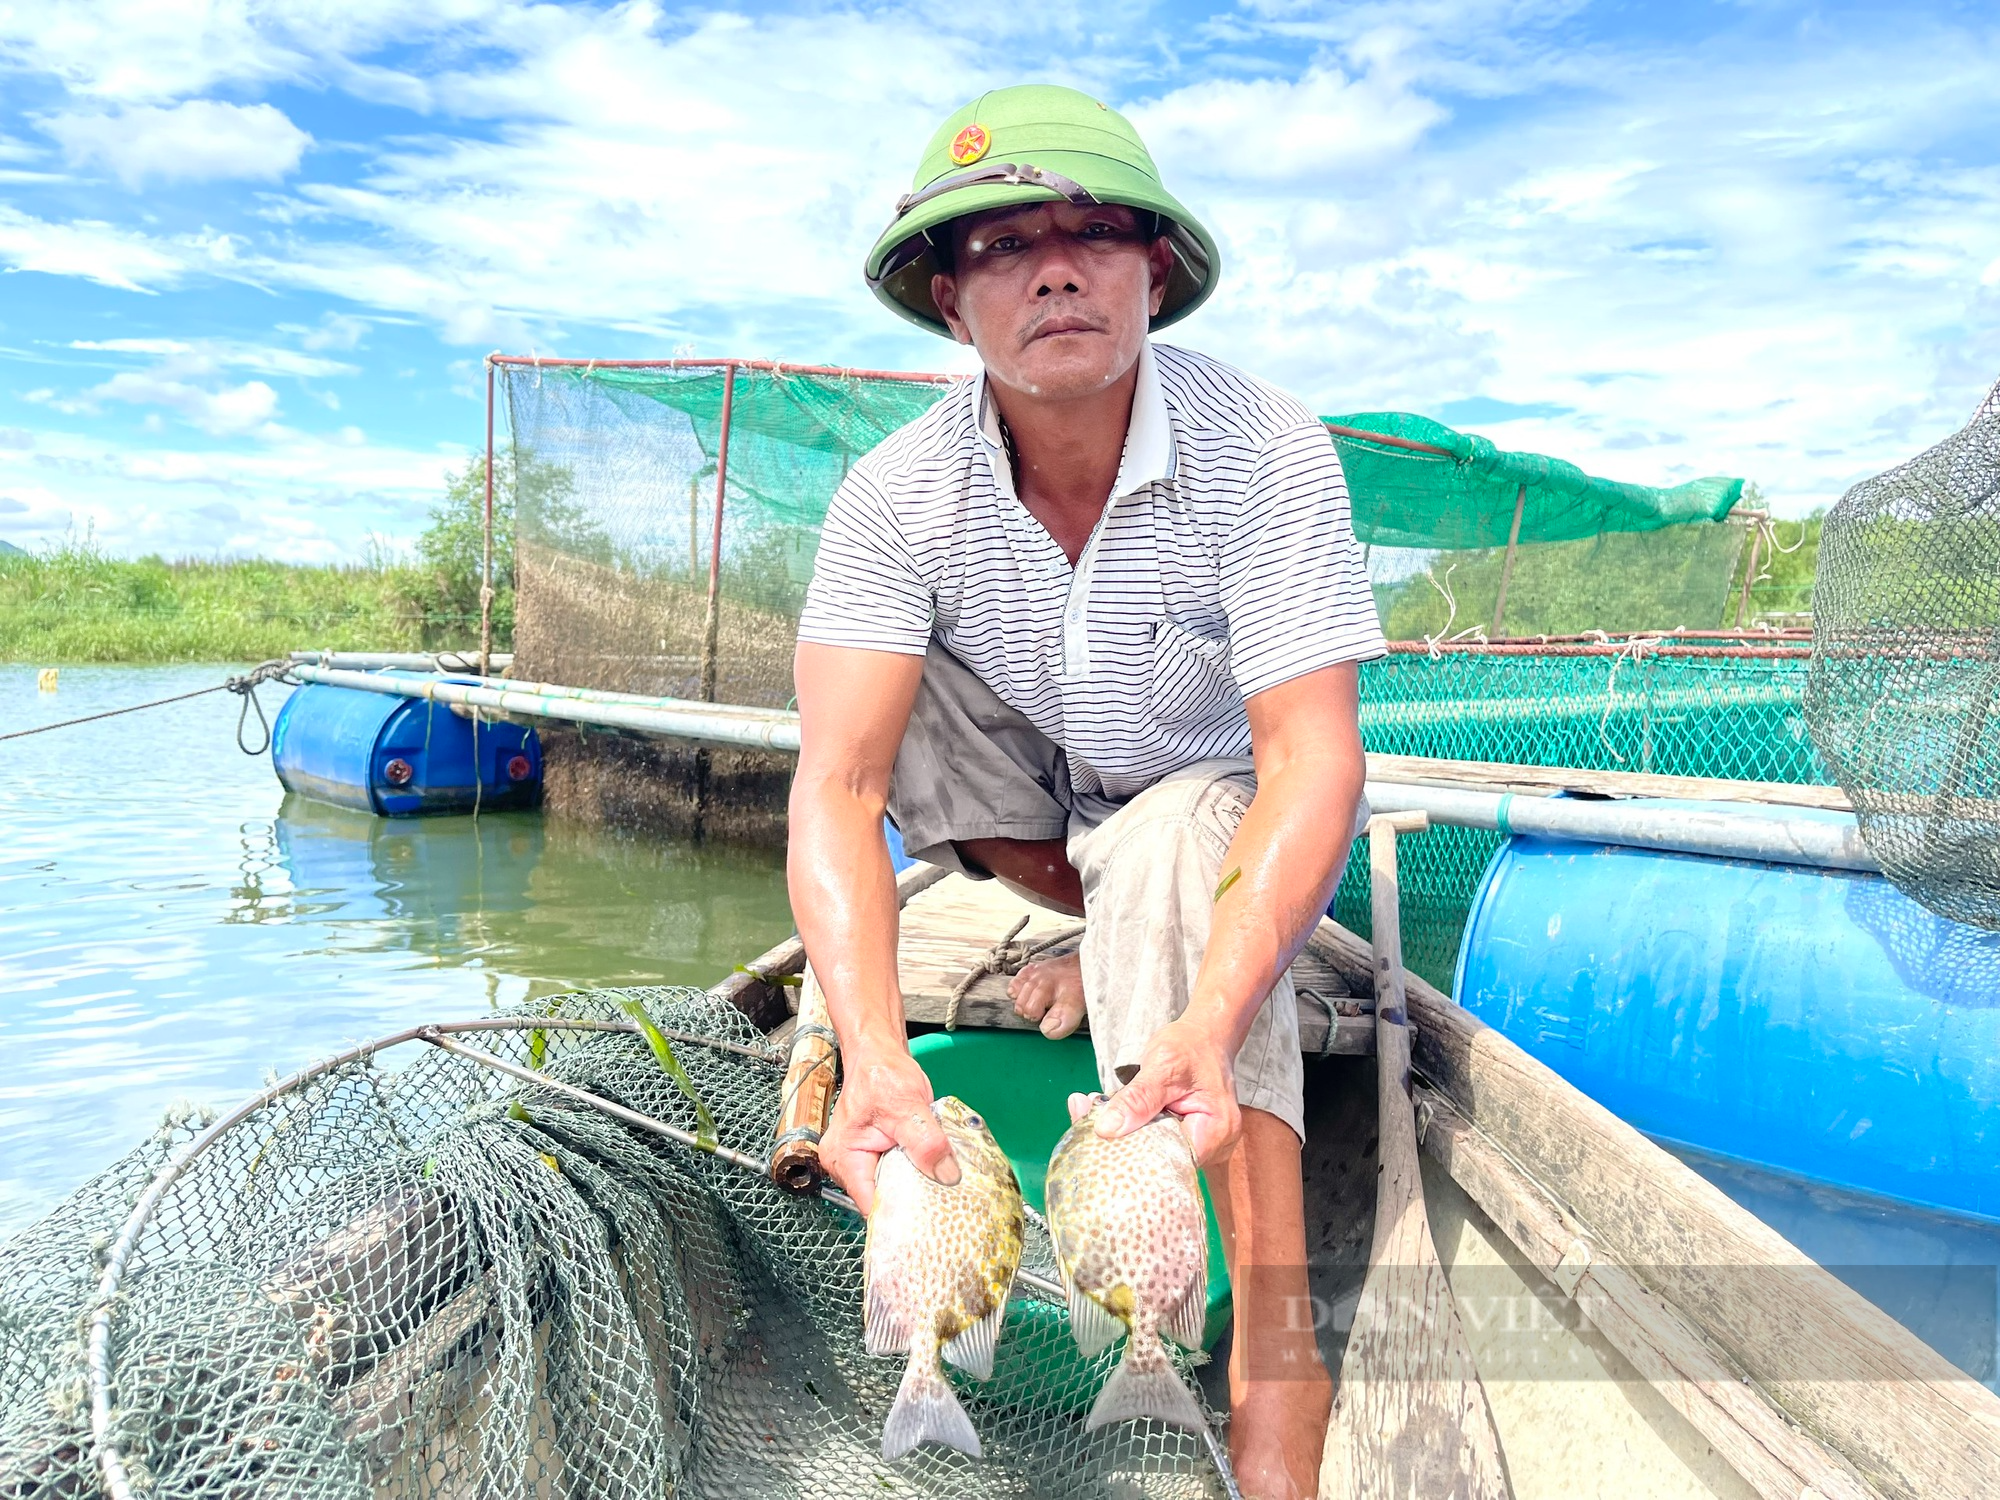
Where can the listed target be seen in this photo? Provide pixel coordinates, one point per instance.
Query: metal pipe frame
(486, 553)
(711, 633)
(418, 661)
(704, 723)
(1795, 649)
(768, 366)
(1831, 842)
(1826, 843)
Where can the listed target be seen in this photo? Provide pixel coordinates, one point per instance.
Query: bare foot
(1050, 992)
(1276, 1431)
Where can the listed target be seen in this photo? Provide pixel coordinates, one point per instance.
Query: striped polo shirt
(1224, 564)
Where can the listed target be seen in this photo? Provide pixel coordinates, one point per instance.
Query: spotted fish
(1131, 1240)
(940, 1264)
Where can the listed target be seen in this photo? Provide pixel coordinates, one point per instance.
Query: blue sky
(254, 253)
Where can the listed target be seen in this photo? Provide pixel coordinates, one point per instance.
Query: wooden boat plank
(952, 927)
(1738, 1282)
(1542, 781)
(1777, 1460)
(1410, 1416)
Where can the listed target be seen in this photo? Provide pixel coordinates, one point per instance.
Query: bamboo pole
(1507, 567)
(1410, 1417)
(806, 1103)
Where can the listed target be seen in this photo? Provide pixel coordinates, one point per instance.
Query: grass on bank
(74, 603)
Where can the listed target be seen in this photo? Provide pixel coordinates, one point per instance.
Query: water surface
(173, 926)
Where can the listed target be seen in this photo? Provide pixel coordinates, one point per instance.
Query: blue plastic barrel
(1816, 1023)
(400, 756)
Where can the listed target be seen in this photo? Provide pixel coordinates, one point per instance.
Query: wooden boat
(1636, 1333)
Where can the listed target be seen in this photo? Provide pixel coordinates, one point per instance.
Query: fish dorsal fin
(1095, 1328)
(885, 1331)
(1190, 1319)
(972, 1351)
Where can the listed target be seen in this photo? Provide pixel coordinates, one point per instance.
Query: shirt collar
(1150, 452)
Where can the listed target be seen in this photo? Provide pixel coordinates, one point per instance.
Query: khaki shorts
(970, 767)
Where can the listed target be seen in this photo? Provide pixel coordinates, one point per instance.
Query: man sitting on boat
(1090, 626)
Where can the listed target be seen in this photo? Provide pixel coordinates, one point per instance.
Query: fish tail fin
(927, 1411)
(1145, 1384)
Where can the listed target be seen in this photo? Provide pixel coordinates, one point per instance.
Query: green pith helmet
(1032, 144)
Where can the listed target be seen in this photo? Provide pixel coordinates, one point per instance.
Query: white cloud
(145, 50)
(302, 497)
(1758, 246)
(203, 356)
(200, 140)
(335, 331)
(92, 249)
(1296, 131)
(225, 411)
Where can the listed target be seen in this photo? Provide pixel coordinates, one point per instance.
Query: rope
(1633, 650)
(1004, 957)
(245, 685)
(1451, 613)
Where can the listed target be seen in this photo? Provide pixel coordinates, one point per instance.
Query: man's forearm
(843, 892)
(1279, 874)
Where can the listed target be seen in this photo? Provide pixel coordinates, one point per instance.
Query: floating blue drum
(400, 756)
(1813, 1022)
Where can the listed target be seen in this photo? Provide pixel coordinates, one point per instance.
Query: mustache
(1094, 322)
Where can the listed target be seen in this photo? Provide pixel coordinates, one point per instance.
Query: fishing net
(617, 517)
(1904, 699)
(1729, 710)
(1468, 539)
(1429, 485)
(412, 1276)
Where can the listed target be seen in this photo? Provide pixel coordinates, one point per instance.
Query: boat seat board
(951, 928)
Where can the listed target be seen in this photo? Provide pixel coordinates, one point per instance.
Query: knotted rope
(1005, 957)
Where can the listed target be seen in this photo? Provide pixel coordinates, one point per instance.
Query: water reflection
(173, 926)
(556, 905)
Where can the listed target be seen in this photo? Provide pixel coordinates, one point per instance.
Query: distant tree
(445, 579)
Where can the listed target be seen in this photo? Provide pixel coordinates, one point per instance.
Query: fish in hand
(940, 1263)
(1131, 1240)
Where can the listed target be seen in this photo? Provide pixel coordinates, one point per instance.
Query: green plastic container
(1021, 1082)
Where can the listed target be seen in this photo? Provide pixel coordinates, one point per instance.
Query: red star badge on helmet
(970, 144)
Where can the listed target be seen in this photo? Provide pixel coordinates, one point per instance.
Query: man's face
(1055, 298)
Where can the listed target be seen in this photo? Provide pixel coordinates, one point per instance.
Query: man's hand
(885, 1103)
(1186, 1071)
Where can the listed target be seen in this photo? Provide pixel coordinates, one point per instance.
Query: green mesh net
(616, 527)
(1905, 692)
(1463, 492)
(1469, 540)
(412, 1276)
(1733, 712)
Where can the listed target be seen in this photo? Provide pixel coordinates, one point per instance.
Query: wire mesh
(1638, 707)
(1904, 701)
(429, 1280)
